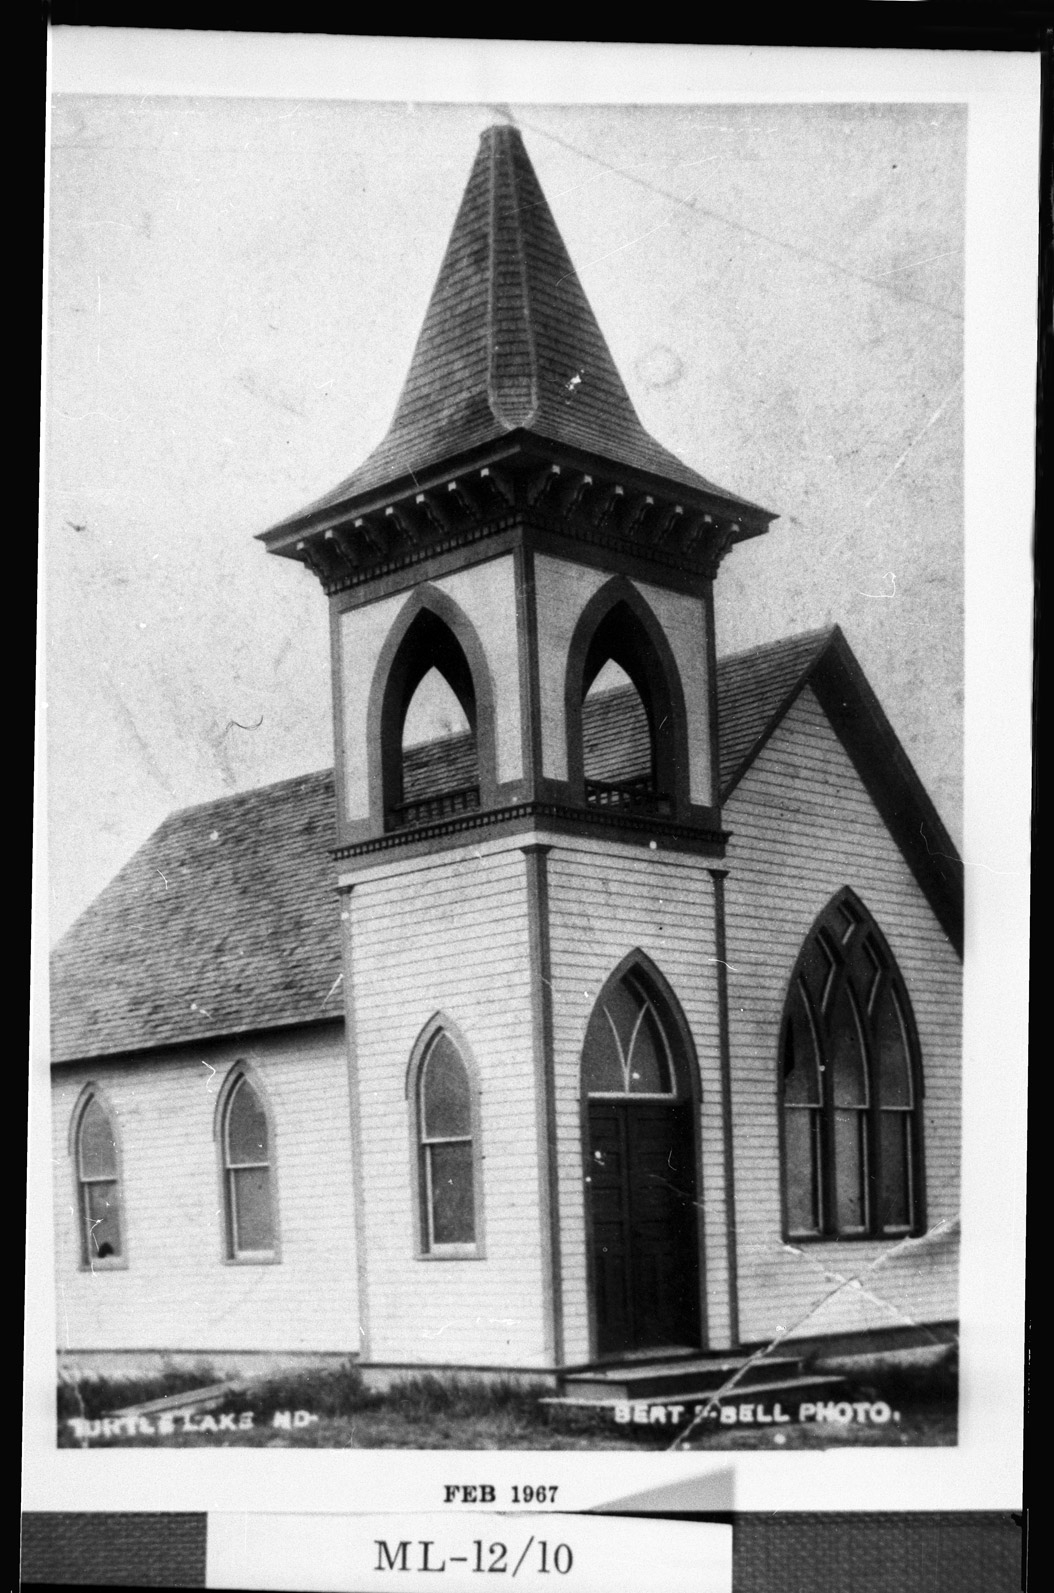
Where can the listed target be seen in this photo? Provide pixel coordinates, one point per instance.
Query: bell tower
(518, 533)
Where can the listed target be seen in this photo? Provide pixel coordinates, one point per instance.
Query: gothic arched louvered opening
(640, 1168)
(850, 1086)
(430, 681)
(634, 767)
(98, 1182)
(626, 719)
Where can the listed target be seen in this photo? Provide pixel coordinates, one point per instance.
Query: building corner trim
(719, 875)
(536, 856)
(355, 1112)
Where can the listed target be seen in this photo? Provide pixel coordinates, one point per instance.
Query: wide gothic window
(626, 1050)
(849, 1074)
(247, 1175)
(98, 1182)
(447, 1177)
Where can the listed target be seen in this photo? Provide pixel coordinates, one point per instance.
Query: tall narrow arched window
(446, 1148)
(98, 1183)
(247, 1175)
(850, 1085)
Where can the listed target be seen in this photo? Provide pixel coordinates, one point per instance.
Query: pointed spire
(509, 343)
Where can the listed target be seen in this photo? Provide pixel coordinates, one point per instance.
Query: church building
(620, 1020)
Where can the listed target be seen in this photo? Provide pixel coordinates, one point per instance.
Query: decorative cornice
(689, 835)
(564, 500)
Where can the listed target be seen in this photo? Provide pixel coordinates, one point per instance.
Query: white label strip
(467, 1553)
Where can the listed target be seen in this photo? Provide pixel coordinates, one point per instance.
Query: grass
(92, 1396)
(428, 1412)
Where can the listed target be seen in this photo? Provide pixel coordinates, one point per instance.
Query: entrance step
(702, 1375)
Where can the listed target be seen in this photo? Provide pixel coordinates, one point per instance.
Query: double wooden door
(640, 1171)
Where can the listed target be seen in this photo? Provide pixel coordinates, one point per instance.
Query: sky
(235, 287)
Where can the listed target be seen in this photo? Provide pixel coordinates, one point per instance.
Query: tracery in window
(626, 1050)
(849, 1070)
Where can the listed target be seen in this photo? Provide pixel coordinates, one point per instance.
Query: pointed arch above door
(639, 1085)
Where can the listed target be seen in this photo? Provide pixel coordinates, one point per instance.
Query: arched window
(850, 1082)
(247, 1174)
(98, 1183)
(626, 1050)
(446, 1149)
(625, 711)
(429, 751)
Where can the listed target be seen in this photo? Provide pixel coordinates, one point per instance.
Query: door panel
(642, 1204)
(609, 1201)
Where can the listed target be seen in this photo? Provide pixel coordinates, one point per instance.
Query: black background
(778, 1552)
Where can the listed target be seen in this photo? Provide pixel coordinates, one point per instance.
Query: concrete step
(628, 1381)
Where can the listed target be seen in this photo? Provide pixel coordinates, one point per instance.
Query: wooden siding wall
(605, 902)
(803, 826)
(449, 935)
(177, 1290)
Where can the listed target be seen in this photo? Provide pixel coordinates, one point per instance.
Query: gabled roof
(227, 921)
(509, 344)
(755, 691)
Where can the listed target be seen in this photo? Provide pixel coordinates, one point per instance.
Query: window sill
(894, 1237)
(452, 1253)
(261, 1258)
(105, 1264)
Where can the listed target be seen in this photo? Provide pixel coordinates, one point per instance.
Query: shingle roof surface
(752, 687)
(227, 919)
(616, 740)
(446, 764)
(509, 341)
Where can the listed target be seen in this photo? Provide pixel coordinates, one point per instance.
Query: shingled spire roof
(509, 344)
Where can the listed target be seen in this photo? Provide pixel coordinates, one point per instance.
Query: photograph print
(504, 886)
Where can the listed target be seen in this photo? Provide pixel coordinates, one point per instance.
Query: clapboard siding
(606, 902)
(177, 1290)
(803, 826)
(450, 938)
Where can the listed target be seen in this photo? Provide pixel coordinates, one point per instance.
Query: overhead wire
(690, 203)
